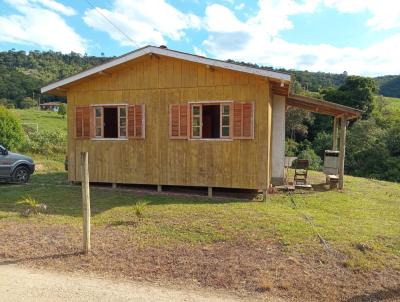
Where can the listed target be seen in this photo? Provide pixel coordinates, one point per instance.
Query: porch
(341, 115)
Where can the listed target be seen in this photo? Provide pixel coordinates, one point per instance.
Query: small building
(163, 117)
(52, 106)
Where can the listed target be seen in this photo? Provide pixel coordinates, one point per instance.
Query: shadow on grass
(54, 178)
(53, 256)
(380, 295)
(65, 200)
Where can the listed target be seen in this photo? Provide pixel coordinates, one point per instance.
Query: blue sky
(357, 36)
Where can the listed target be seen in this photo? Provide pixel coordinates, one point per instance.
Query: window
(213, 120)
(122, 121)
(118, 122)
(98, 121)
(196, 121)
(225, 120)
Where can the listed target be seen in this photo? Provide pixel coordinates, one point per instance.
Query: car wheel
(21, 175)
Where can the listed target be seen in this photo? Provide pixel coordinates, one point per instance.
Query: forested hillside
(22, 74)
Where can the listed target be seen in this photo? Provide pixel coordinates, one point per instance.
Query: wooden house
(163, 117)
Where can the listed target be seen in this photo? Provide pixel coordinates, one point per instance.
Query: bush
(11, 133)
(313, 159)
(322, 142)
(291, 147)
(62, 110)
(46, 142)
(27, 103)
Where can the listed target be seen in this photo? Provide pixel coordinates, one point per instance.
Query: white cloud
(257, 40)
(385, 13)
(144, 21)
(39, 26)
(199, 52)
(56, 6)
(240, 6)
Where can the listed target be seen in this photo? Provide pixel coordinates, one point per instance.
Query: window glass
(225, 131)
(225, 121)
(122, 121)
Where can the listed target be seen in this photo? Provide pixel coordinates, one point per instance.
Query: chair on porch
(300, 172)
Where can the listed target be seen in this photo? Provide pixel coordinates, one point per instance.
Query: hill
(22, 74)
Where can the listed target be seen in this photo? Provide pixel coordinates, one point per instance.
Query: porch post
(342, 146)
(334, 134)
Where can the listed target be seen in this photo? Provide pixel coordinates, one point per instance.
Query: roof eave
(170, 53)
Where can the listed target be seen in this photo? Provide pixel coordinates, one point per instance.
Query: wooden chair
(300, 172)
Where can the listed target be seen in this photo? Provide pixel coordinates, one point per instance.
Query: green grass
(366, 213)
(46, 120)
(394, 103)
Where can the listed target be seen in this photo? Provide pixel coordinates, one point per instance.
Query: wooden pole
(85, 201)
(334, 134)
(342, 146)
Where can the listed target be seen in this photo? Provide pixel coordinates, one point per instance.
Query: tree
(62, 110)
(11, 133)
(297, 122)
(357, 92)
(27, 103)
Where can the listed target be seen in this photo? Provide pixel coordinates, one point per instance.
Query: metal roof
(169, 53)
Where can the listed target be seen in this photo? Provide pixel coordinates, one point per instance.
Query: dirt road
(25, 284)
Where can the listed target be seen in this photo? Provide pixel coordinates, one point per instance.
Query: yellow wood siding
(157, 82)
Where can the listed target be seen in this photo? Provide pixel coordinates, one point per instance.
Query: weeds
(33, 206)
(139, 209)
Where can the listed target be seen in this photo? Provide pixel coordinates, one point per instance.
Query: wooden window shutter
(83, 122)
(136, 122)
(179, 118)
(243, 120)
(237, 120)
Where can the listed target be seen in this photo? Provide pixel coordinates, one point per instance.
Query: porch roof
(322, 107)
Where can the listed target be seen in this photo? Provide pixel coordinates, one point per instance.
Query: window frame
(102, 106)
(205, 103)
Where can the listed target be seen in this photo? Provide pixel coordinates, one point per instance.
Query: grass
(44, 119)
(366, 213)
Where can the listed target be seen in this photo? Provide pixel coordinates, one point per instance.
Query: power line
(109, 21)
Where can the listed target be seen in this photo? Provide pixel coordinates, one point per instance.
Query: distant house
(53, 106)
(163, 117)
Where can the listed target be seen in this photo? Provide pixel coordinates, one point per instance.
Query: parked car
(15, 167)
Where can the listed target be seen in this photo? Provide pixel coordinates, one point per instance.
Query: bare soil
(249, 269)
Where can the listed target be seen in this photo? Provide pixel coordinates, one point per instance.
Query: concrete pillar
(278, 139)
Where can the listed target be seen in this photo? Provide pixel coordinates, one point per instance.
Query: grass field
(345, 232)
(44, 119)
(308, 246)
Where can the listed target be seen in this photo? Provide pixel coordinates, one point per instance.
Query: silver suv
(15, 167)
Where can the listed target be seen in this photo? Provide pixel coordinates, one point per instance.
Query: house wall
(278, 139)
(157, 82)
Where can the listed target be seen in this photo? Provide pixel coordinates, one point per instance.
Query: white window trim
(211, 102)
(102, 138)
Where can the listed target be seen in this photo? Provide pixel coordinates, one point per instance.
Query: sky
(358, 36)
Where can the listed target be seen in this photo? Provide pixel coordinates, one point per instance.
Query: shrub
(33, 206)
(62, 110)
(313, 159)
(11, 133)
(291, 147)
(139, 208)
(27, 103)
(322, 142)
(46, 142)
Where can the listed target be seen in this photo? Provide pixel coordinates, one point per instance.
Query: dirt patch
(237, 266)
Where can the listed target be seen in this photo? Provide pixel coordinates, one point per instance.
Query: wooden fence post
(85, 201)
(342, 149)
(334, 134)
